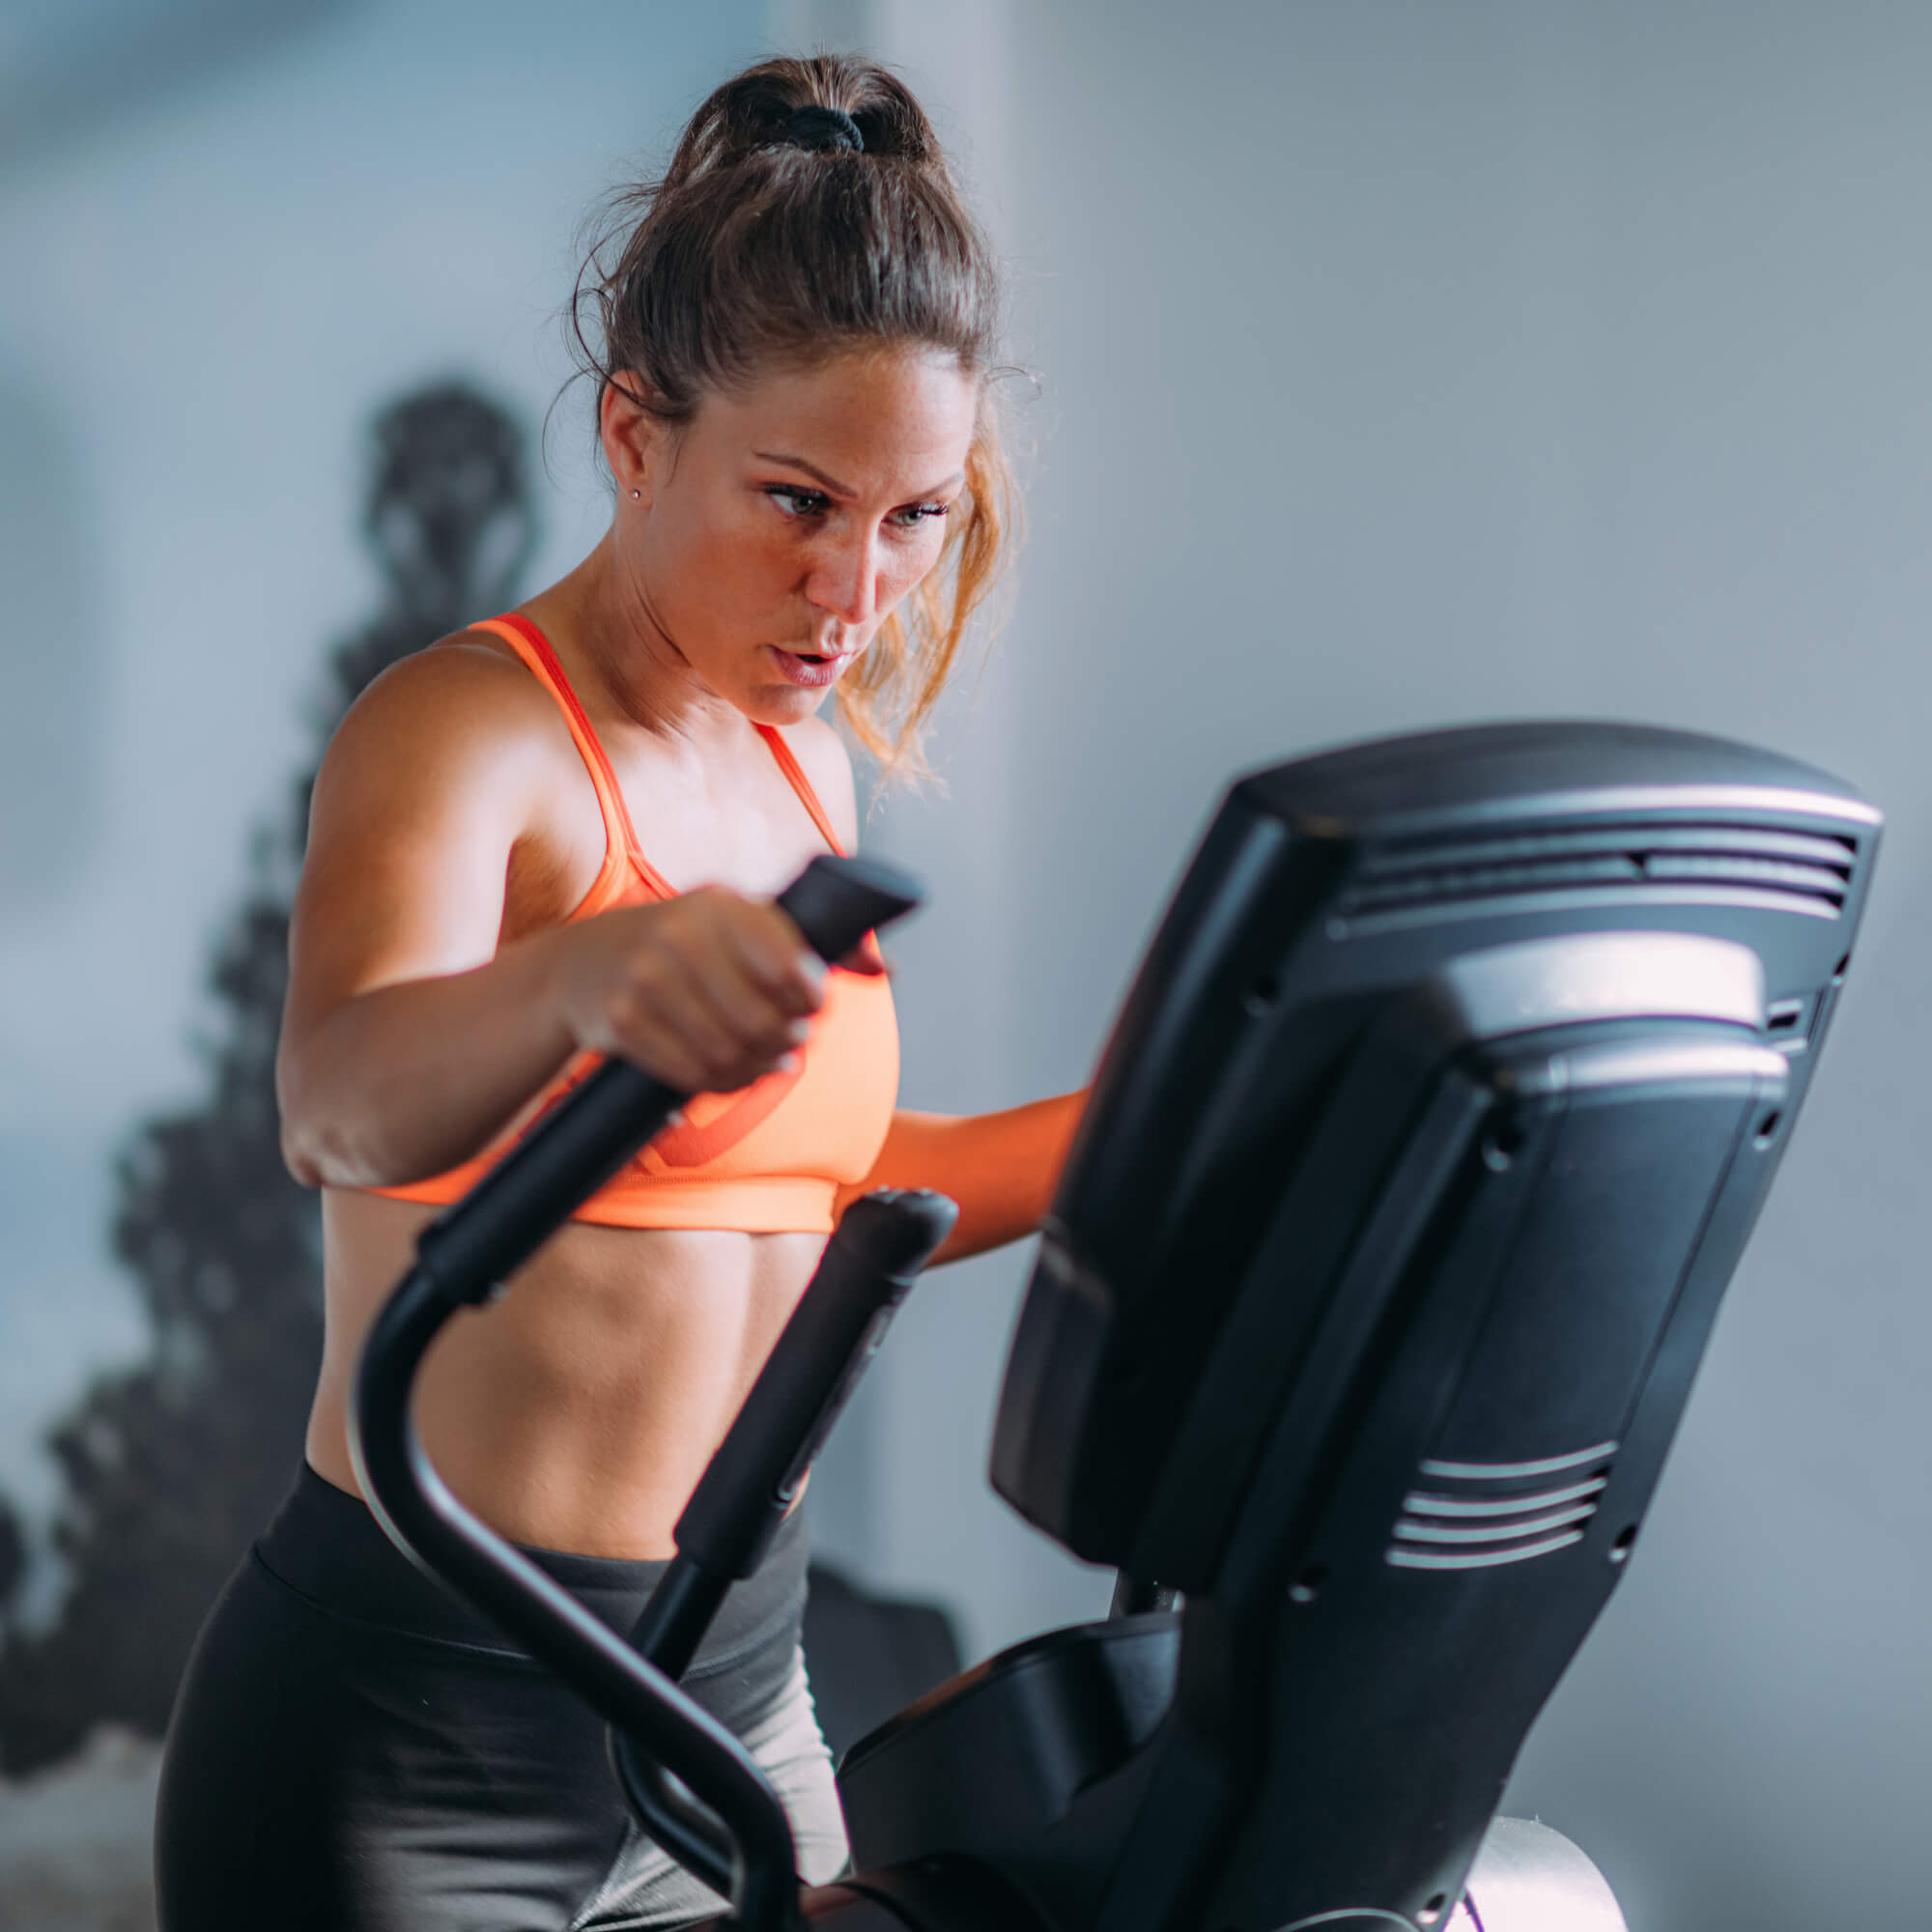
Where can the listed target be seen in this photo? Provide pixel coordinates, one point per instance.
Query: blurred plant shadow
(171, 1467)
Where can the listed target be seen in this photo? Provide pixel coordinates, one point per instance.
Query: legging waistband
(326, 1544)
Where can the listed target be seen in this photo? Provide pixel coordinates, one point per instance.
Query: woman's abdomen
(577, 1411)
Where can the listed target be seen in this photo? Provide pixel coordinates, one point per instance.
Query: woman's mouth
(814, 670)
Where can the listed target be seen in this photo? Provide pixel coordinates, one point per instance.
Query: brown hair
(808, 211)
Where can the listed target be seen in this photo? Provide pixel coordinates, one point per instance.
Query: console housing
(1415, 1169)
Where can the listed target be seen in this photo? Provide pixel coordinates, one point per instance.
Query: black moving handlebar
(462, 1258)
(515, 1208)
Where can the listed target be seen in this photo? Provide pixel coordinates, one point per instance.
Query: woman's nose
(844, 581)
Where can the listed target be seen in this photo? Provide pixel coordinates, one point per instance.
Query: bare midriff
(578, 1410)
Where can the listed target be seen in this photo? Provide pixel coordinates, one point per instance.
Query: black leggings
(355, 1750)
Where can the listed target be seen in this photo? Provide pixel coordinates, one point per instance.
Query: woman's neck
(620, 662)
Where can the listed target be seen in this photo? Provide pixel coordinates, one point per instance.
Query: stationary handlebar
(753, 1480)
(463, 1256)
(868, 1268)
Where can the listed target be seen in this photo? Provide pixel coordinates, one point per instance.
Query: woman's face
(774, 531)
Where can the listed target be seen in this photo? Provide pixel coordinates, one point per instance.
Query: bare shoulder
(827, 765)
(461, 684)
(462, 707)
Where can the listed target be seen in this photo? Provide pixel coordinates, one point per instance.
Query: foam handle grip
(582, 1143)
(869, 1266)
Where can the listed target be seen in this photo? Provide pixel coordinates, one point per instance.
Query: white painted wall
(1406, 364)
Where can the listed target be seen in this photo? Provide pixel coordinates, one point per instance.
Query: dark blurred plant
(172, 1466)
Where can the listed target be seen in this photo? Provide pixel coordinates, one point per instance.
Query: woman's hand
(708, 991)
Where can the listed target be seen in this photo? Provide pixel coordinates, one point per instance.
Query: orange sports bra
(767, 1158)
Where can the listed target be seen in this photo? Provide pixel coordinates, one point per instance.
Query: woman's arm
(418, 1024)
(1001, 1168)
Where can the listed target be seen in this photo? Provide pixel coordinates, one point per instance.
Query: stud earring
(633, 496)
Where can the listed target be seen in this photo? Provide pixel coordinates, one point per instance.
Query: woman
(554, 837)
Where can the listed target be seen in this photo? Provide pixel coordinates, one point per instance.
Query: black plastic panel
(1056, 1715)
(1257, 1014)
(1428, 1140)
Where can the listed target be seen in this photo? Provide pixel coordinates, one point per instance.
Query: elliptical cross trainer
(1415, 1169)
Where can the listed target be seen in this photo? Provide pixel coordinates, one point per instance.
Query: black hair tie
(824, 128)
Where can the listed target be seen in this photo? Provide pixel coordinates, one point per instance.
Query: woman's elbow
(307, 1152)
(315, 1150)
(303, 1170)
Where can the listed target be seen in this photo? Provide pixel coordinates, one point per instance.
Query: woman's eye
(797, 502)
(915, 514)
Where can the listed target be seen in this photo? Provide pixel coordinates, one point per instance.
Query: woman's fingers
(709, 991)
(774, 954)
(760, 984)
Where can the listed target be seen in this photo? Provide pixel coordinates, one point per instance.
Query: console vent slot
(1788, 870)
(1474, 1515)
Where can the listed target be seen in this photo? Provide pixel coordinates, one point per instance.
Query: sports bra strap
(531, 645)
(620, 836)
(795, 773)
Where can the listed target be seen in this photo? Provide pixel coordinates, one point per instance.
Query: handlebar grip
(570, 1154)
(835, 902)
(867, 1268)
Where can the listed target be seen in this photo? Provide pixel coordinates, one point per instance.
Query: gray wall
(1410, 363)
(1399, 363)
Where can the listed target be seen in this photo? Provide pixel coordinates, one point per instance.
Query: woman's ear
(635, 439)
